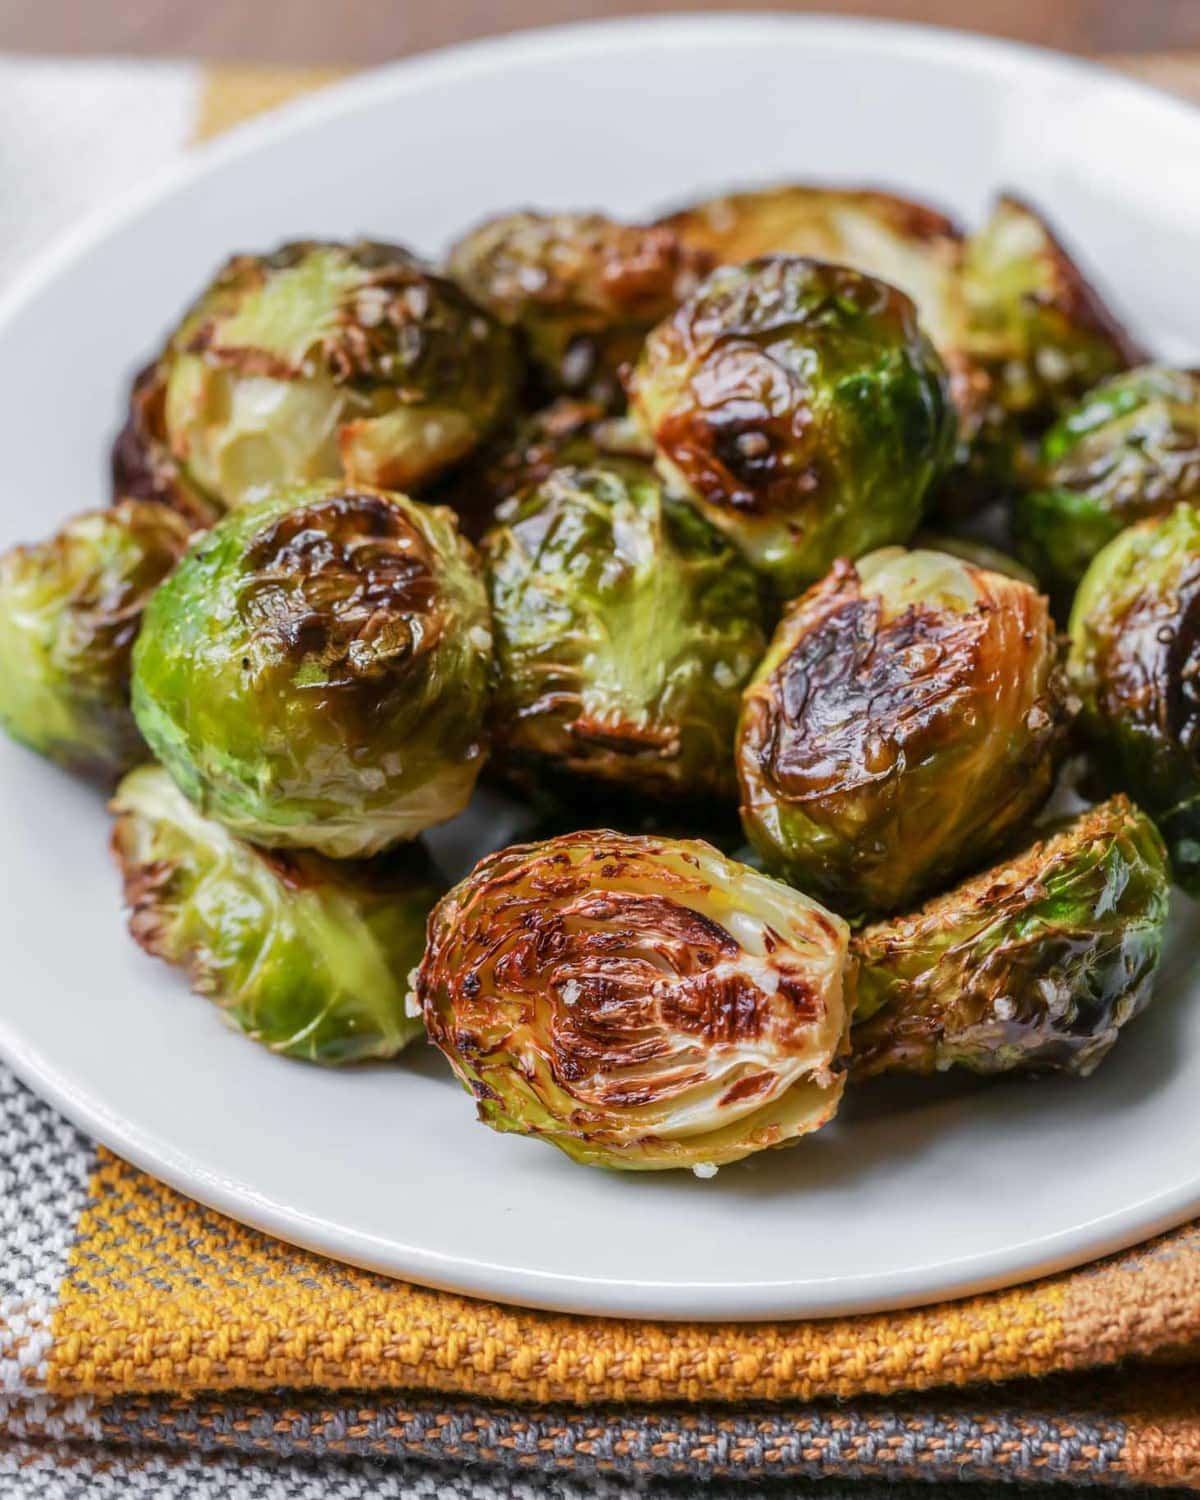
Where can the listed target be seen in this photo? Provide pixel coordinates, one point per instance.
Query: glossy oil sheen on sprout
(638, 1002)
(1135, 661)
(70, 608)
(625, 628)
(582, 290)
(315, 673)
(802, 408)
(905, 720)
(328, 361)
(1040, 334)
(567, 433)
(1129, 450)
(309, 956)
(1034, 321)
(1033, 965)
(907, 244)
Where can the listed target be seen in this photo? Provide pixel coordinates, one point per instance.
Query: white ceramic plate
(917, 1191)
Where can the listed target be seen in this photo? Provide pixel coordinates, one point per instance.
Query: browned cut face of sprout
(640, 1003)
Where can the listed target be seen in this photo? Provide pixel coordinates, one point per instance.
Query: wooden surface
(324, 33)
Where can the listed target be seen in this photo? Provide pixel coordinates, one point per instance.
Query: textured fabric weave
(160, 1292)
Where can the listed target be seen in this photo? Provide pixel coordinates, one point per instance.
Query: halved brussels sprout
(1035, 964)
(801, 408)
(327, 361)
(69, 611)
(638, 1002)
(1034, 323)
(567, 432)
(1129, 450)
(309, 956)
(625, 629)
(907, 244)
(142, 464)
(979, 554)
(314, 675)
(904, 722)
(582, 289)
(1135, 662)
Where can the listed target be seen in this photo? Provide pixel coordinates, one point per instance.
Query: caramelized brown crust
(582, 289)
(719, 226)
(523, 263)
(1034, 964)
(846, 712)
(1148, 672)
(399, 316)
(891, 740)
(142, 464)
(348, 582)
(749, 437)
(572, 981)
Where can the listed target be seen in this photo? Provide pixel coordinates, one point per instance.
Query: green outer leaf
(1035, 964)
(800, 406)
(1135, 662)
(1129, 450)
(326, 361)
(625, 628)
(1033, 321)
(309, 957)
(311, 699)
(69, 611)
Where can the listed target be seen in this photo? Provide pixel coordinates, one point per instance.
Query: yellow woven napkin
(164, 1295)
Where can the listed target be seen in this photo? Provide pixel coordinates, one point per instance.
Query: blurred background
(358, 32)
(96, 96)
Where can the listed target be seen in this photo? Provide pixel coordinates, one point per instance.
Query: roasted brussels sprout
(979, 554)
(1129, 450)
(1034, 323)
(567, 432)
(625, 629)
(314, 674)
(142, 464)
(326, 361)
(1034, 965)
(906, 244)
(904, 722)
(638, 1002)
(801, 408)
(1135, 662)
(309, 956)
(583, 290)
(69, 611)
(1042, 337)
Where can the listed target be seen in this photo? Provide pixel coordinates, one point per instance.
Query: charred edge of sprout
(1033, 965)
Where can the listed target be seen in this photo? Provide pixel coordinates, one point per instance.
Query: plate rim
(697, 1301)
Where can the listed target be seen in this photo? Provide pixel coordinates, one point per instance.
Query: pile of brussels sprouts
(630, 519)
